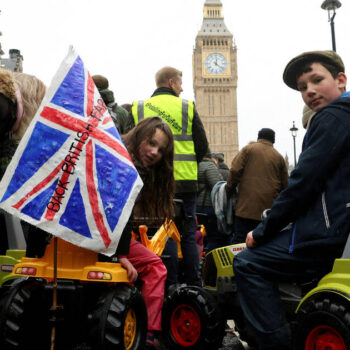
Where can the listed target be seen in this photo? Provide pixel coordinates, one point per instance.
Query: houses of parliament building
(215, 81)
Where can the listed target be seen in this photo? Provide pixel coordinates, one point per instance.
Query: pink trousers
(152, 273)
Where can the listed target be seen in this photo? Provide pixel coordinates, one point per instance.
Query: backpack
(223, 207)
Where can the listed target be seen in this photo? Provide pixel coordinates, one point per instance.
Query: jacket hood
(344, 102)
(107, 96)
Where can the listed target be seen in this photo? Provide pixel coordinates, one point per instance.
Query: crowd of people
(305, 227)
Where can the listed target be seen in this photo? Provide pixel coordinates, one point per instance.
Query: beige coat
(260, 173)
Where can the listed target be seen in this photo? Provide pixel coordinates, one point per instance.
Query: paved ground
(231, 340)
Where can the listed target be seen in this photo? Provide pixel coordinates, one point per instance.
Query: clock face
(216, 63)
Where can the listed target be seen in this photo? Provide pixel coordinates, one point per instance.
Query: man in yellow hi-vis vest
(191, 144)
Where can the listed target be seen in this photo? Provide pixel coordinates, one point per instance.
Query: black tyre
(192, 320)
(119, 320)
(24, 316)
(323, 324)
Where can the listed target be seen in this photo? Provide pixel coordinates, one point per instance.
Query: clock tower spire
(215, 80)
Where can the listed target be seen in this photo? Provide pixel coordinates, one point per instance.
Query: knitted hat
(267, 134)
(292, 69)
(100, 81)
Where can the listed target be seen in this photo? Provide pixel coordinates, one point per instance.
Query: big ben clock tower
(215, 81)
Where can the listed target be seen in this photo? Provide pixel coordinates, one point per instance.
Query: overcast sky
(129, 40)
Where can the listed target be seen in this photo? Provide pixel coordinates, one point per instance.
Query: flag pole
(54, 296)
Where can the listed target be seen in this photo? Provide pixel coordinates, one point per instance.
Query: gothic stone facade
(215, 81)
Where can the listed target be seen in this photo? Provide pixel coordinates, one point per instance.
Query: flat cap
(292, 69)
(219, 156)
(100, 81)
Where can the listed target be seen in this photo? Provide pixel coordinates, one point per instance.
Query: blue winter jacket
(317, 198)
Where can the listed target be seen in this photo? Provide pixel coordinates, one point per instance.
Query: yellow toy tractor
(87, 299)
(81, 301)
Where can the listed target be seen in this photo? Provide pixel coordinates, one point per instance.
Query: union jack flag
(71, 174)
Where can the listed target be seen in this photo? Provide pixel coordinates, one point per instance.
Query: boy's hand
(249, 241)
(132, 273)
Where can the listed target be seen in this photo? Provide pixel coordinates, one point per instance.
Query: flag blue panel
(70, 95)
(115, 181)
(74, 217)
(113, 131)
(43, 144)
(37, 206)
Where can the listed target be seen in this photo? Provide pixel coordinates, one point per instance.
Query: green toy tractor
(319, 310)
(12, 246)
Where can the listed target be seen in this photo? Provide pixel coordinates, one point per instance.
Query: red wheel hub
(185, 325)
(324, 338)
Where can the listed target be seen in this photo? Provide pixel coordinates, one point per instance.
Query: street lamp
(294, 131)
(331, 6)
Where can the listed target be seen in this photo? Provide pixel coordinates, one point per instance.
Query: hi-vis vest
(178, 114)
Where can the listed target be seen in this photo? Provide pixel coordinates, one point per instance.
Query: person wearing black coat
(222, 166)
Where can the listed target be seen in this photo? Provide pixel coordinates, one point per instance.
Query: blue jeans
(189, 247)
(258, 272)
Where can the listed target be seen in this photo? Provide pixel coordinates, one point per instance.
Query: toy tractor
(12, 246)
(90, 300)
(82, 301)
(160, 238)
(319, 310)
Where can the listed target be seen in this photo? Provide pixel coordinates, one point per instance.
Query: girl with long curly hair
(151, 147)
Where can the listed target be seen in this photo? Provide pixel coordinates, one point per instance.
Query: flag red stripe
(107, 120)
(93, 195)
(90, 94)
(63, 119)
(76, 124)
(68, 121)
(39, 186)
(103, 137)
(50, 214)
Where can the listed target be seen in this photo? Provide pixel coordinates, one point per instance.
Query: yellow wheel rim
(130, 329)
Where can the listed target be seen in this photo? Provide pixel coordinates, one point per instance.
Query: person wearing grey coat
(208, 176)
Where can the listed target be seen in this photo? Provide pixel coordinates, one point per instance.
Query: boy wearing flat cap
(309, 222)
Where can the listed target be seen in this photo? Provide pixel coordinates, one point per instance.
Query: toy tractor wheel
(24, 316)
(324, 324)
(119, 319)
(191, 319)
